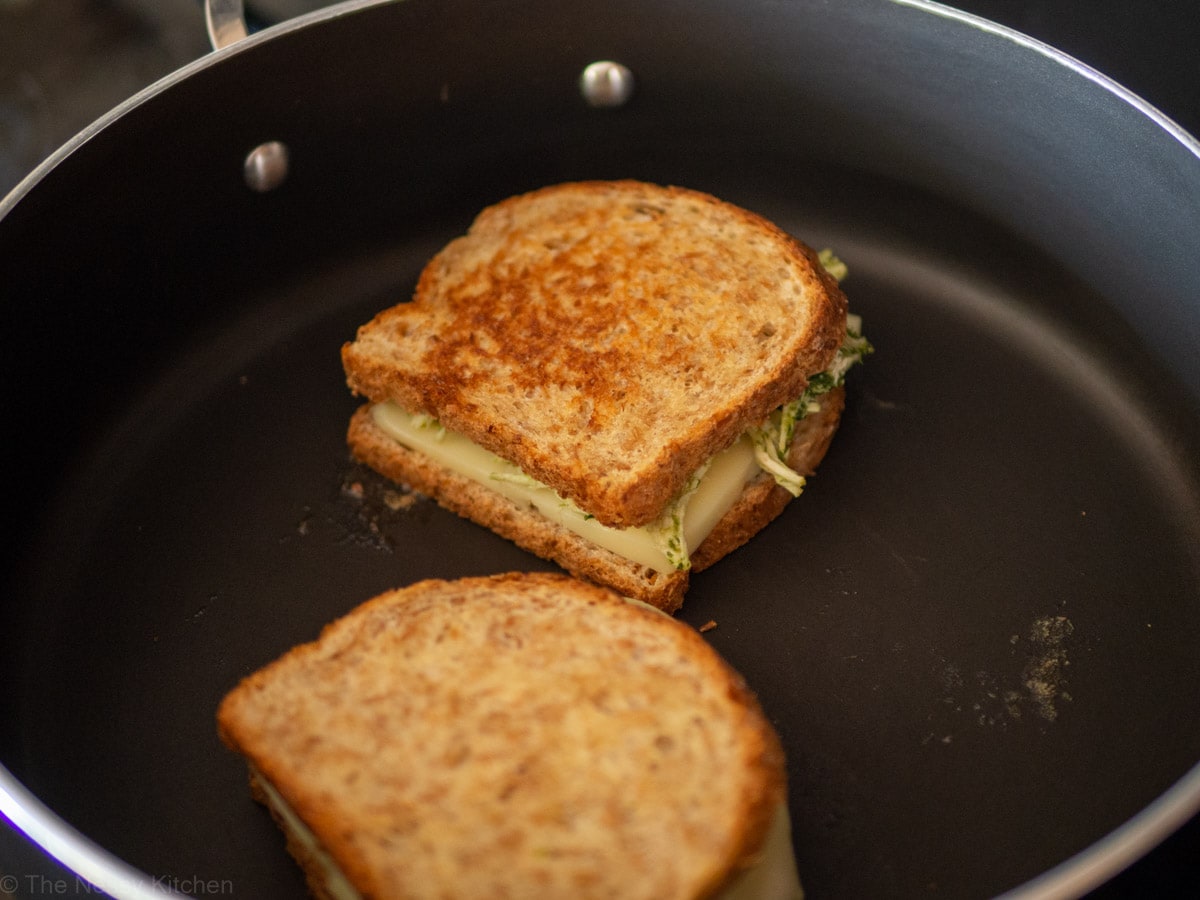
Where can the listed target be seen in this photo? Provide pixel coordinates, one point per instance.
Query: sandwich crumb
(708, 626)
(1040, 686)
(398, 500)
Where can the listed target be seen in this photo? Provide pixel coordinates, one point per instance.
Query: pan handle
(226, 21)
(266, 166)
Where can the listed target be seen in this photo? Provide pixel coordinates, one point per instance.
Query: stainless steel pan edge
(87, 865)
(1104, 859)
(1173, 155)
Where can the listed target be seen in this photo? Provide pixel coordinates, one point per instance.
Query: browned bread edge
(525, 527)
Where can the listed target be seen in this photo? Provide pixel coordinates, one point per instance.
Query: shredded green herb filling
(668, 530)
(773, 438)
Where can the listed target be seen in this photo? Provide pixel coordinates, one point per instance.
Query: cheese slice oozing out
(723, 483)
(336, 884)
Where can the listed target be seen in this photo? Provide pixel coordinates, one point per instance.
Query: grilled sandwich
(516, 736)
(629, 380)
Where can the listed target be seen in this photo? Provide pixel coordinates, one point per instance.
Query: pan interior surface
(975, 631)
(970, 631)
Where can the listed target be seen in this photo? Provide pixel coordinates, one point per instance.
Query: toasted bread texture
(513, 736)
(607, 337)
(762, 501)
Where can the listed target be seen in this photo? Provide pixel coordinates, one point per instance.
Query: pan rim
(1086, 870)
(1053, 54)
(1120, 848)
(85, 858)
(931, 7)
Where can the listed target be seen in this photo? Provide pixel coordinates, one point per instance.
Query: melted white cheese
(774, 877)
(337, 885)
(720, 488)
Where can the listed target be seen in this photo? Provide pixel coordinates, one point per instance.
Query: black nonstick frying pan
(976, 632)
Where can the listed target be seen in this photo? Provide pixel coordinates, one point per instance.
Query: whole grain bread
(760, 503)
(607, 337)
(512, 736)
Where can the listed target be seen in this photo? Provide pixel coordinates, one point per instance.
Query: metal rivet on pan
(606, 84)
(266, 166)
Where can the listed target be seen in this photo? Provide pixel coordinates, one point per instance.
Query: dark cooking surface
(44, 99)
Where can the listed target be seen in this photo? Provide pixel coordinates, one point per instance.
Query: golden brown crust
(759, 505)
(513, 735)
(607, 337)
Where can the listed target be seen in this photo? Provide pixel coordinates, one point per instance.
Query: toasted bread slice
(606, 337)
(760, 503)
(511, 736)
